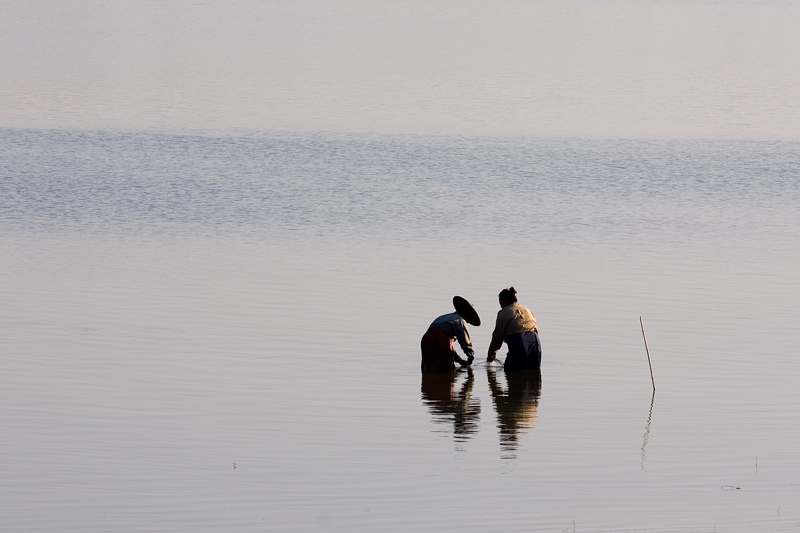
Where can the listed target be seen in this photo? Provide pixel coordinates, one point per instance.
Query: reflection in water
(647, 429)
(450, 407)
(516, 407)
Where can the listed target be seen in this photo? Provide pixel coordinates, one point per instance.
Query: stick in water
(648, 355)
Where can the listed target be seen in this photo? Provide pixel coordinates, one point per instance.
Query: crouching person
(438, 354)
(516, 325)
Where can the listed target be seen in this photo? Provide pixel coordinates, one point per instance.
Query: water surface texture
(219, 332)
(547, 68)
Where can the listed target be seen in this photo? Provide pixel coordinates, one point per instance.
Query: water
(546, 68)
(220, 332)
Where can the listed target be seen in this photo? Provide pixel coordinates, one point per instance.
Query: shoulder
(448, 318)
(506, 311)
(523, 311)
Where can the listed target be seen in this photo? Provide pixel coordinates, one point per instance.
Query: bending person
(438, 354)
(516, 325)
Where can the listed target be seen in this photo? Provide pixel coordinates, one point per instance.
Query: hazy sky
(630, 68)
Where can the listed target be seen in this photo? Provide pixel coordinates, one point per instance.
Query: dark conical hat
(467, 312)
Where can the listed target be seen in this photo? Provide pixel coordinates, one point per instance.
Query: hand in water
(491, 358)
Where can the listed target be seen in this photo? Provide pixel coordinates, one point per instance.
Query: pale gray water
(547, 68)
(177, 305)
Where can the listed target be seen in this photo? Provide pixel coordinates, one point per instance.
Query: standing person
(438, 354)
(516, 325)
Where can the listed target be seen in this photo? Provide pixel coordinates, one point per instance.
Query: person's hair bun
(508, 294)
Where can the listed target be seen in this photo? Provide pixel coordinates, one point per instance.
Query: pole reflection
(451, 405)
(647, 429)
(516, 406)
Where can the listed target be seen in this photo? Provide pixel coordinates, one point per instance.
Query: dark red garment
(437, 352)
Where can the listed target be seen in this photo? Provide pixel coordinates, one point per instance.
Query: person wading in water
(516, 325)
(438, 354)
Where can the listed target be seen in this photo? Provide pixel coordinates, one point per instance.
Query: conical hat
(467, 312)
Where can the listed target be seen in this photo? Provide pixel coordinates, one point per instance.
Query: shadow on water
(516, 406)
(448, 396)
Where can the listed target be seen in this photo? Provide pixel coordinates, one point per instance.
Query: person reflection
(448, 406)
(516, 407)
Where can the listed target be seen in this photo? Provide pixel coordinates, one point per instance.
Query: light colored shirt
(511, 319)
(456, 327)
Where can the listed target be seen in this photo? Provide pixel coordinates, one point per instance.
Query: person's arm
(497, 337)
(462, 335)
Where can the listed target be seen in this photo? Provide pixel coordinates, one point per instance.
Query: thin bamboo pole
(648, 355)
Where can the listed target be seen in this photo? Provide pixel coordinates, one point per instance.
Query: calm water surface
(544, 68)
(220, 332)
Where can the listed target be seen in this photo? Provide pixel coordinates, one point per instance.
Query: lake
(219, 331)
(661, 69)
